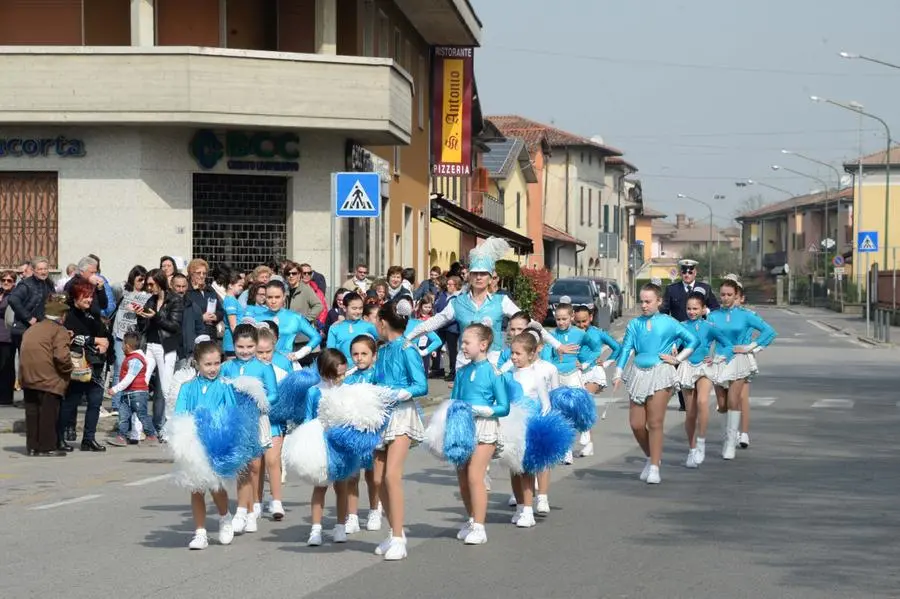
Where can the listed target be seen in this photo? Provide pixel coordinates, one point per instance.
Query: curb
(852, 333)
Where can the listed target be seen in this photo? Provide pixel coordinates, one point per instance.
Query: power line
(680, 65)
(657, 136)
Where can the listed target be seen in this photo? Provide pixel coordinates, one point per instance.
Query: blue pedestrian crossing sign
(867, 241)
(357, 195)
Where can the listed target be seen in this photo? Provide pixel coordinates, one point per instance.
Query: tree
(724, 259)
(749, 204)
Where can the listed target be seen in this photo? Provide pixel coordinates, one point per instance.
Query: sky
(698, 93)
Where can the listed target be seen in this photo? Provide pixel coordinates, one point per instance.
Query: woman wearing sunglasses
(7, 349)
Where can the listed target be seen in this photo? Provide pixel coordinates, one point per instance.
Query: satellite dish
(598, 140)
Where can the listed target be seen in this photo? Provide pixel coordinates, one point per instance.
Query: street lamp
(858, 109)
(709, 242)
(748, 182)
(837, 187)
(852, 56)
(824, 242)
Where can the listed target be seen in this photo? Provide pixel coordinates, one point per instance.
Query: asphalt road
(809, 511)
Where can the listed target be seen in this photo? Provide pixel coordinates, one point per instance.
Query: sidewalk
(850, 324)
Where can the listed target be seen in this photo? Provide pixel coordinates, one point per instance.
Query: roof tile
(532, 132)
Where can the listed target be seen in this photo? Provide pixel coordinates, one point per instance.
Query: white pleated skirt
(572, 379)
(487, 430)
(596, 375)
(688, 373)
(741, 366)
(405, 420)
(641, 383)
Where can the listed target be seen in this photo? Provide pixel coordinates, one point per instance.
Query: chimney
(679, 221)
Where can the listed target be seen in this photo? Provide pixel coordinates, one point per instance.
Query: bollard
(889, 317)
(877, 324)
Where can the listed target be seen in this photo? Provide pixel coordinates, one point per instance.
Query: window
(581, 205)
(606, 219)
(396, 162)
(369, 29)
(423, 89)
(590, 158)
(407, 57)
(582, 157)
(567, 213)
(28, 216)
(616, 220)
(398, 47)
(384, 35)
(591, 206)
(518, 209)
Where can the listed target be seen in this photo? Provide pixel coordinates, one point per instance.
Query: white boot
(733, 421)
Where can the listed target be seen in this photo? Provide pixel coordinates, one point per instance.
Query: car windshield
(582, 288)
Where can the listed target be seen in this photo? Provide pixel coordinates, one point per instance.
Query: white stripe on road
(820, 326)
(81, 499)
(147, 481)
(834, 403)
(762, 401)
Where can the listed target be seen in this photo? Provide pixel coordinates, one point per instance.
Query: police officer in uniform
(675, 298)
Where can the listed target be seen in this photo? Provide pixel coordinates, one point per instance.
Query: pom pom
(514, 391)
(576, 405)
(459, 433)
(434, 432)
(252, 389)
(181, 377)
(547, 439)
(292, 392)
(514, 438)
(493, 248)
(306, 453)
(192, 468)
(341, 466)
(362, 406)
(351, 442)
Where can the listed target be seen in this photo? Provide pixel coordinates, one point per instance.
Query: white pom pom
(192, 469)
(404, 308)
(305, 453)
(434, 433)
(514, 426)
(363, 406)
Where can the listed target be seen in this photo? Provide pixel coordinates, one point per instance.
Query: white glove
(299, 355)
(483, 411)
(403, 395)
(423, 353)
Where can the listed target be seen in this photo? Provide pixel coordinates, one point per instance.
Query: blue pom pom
(577, 405)
(230, 435)
(547, 439)
(368, 462)
(292, 393)
(459, 433)
(352, 442)
(341, 466)
(513, 388)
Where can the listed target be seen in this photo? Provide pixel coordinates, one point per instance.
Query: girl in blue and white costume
(593, 367)
(362, 351)
(398, 366)
(478, 305)
(341, 334)
(696, 374)
(213, 434)
(466, 429)
(246, 364)
(737, 324)
(290, 324)
(652, 378)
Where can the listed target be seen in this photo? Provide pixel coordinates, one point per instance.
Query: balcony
(485, 205)
(368, 99)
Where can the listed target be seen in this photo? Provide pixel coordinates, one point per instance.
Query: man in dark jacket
(28, 299)
(87, 270)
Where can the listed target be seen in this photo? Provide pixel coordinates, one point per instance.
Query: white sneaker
(257, 510)
(653, 477)
(646, 471)
(477, 536)
(315, 536)
(200, 540)
(587, 450)
(339, 534)
(352, 524)
(569, 459)
(277, 510)
(526, 520)
(373, 522)
(744, 440)
(700, 454)
(396, 549)
(512, 501)
(543, 505)
(466, 529)
(519, 511)
(226, 532)
(252, 523)
(584, 438)
(691, 461)
(383, 546)
(239, 523)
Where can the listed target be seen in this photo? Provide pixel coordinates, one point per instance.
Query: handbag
(9, 316)
(81, 369)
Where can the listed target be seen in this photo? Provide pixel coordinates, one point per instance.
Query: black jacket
(675, 300)
(165, 325)
(27, 301)
(85, 328)
(101, 301)
(199, 300)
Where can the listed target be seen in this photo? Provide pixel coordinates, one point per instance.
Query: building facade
(211, 128)
(875, 208)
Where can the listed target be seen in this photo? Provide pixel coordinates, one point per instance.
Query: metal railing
(486, 205)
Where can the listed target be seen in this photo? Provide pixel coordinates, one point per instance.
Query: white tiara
(202, 339)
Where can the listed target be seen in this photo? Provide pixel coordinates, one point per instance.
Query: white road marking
(820, 326)
(834, 403)
(762, 401)
(147, 481)
(81, 499)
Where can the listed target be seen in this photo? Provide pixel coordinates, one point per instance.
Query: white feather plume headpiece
(484, 257)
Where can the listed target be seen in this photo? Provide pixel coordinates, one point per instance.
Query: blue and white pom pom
(292, 393)
(450, 434)
(576, 405)
(305, 452)
(547, 439)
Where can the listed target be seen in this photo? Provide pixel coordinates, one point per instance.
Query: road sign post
(867, 243)
(353, 195)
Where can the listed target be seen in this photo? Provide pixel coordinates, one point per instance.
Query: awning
(459, 218)
(554, 234)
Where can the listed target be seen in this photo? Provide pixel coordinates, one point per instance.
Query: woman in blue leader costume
(341, 334)
(652, 377)
(398, 366)
(290, 324)
(737, 324)
(482, 307)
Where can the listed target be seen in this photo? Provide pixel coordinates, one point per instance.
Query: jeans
(161, 363)
(69, 409)
(451, 340)
(120, 358)
(136, 402)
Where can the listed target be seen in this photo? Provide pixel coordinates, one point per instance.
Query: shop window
(28, 217)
